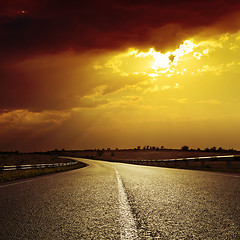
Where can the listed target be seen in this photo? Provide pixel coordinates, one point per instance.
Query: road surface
(122, 201)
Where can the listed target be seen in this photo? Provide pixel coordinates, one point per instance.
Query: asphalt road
(122, 201)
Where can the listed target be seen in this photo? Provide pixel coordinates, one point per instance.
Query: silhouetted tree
(100, 152)
(220, 149)
(185, 148)
(213, 149)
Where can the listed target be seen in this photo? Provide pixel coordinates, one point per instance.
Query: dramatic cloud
(118, 73)
(36, 27)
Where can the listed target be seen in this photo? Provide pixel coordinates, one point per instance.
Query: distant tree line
(9, 152)
(101, 152)
(212, 149)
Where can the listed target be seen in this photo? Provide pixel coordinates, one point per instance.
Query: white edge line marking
(11, 184)
(128, 229)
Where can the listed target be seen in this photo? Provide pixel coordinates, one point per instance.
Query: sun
(163, 62)
(155, 64)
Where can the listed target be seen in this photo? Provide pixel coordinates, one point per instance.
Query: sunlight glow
(191, 58)
(164, 62)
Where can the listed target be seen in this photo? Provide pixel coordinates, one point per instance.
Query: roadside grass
(207, 168)
(210, 166)
(21, 174)
(134, 155)
(138, 157)
(27, 158)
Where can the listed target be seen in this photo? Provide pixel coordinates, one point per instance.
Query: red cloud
(53, 26)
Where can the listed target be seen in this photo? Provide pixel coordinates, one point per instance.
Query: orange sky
(81, 74)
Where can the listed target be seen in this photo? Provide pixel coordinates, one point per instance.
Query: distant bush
(100, 152)
(185, 148)
(213, 149)
(220, 149)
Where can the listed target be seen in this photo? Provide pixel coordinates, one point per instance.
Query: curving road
(122, 201)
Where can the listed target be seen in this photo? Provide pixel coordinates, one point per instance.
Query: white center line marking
(127, 223)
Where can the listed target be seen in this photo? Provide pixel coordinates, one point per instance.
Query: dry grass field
(137, 157)
(122, 155)
(126, 156)
(24, 159)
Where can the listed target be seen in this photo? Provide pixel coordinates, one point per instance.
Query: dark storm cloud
(51, 26)
(52, 82)
(35, 72)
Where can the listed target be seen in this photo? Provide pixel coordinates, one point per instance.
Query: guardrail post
(18, 167)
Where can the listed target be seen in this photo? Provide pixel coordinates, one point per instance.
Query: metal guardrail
(36, 166)
(226, 158)
(209, 158)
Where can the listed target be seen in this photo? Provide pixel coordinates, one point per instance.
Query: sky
(111, 73)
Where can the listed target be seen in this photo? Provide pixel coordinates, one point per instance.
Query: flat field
(24, 159)
(138, 157)
(123, 155)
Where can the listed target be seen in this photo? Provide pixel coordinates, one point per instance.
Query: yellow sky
(149, 99)
(184, 96)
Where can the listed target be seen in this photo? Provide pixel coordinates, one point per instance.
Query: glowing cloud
(165, 62)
